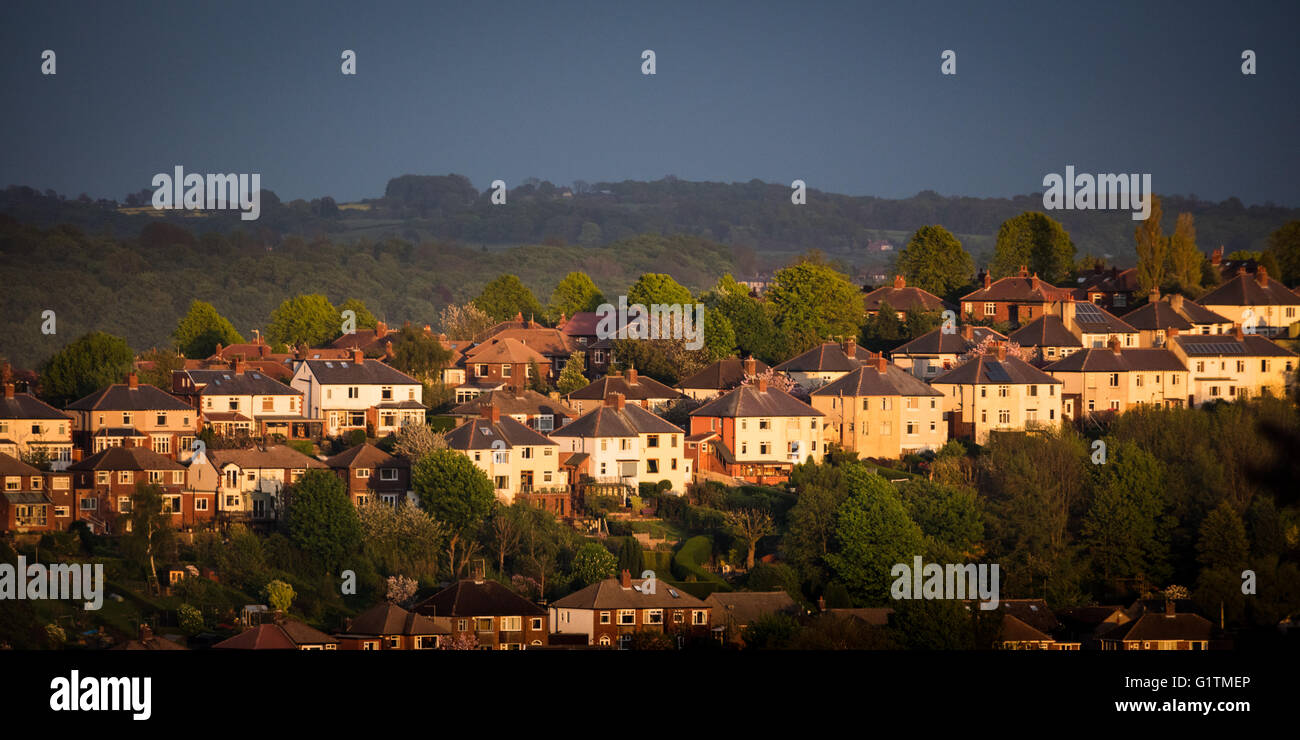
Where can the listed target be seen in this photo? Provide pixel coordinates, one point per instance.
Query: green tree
(365, 319)
(189, 619)
(950, 515)
(1036, 241)
(882, 331)
(872, 533)
(321, 519)
(1284, 245)
(151, 530)
(573, 294)
(536, 378)
(631, 557)
(305, 319)
(1222, 542)
(202, 329)
(1184, 256)
(719, 337)
(934, 260)
(507, 296)
(279, 595)
(1152, 249)
(158, 371)
(92, 362)
(571, 377)
(810, 528)
(774, 631)
(812, 302)
(459, 495)
(593, 563)
(590, 235)
(419, 355)
(1125, 525)
(658, 288)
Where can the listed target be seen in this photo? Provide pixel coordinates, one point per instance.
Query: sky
(847, 96)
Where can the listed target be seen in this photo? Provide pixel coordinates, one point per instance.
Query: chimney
(358, 357)
(132, 380)
(381, 330)
(1176, 302)
(850, 348)
(257, 337)
(146, 633)
(442, 337)
(388, 349)
(626, 578)
(1024, 271)
(9, 391)
(1237, 332)
(881, 363)
(968, 333)
(491, 413)
(1153, 295)
(218, 351)
(751, 366)
(899, 282)
(1216, 257)
(237, 364)
(1261, 276)
(1113, 343)
(988, 280)
(1170, 607)
(821, 603)
(762, 384)
(76, 454)
(631, 376)
(1067, 316)
(263, 350)
(615, 401)
(1001, 351)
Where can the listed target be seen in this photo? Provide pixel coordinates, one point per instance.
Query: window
(990, 309)
(652, 440)
(627, 616)
(200, 503)
(887, 428)
(389, 474)
(536, 624)
(604, 617)
(1114, 380)
(511, 624)
(386, 393)
(654, 616)
(89, 504)
(544, 423)
(126, 418)
(1003, 391)
(764, 423)
(268, 404)
(481, 370)
(354, 392)
(1004, 416)
(651, 466)
(178, 477)
(123, 476)
(101, 477)
(886, 404)
(699, 616)
(911, 427)
(363, 472)
(502, 482)
(501, 457)
(124, 504)
(526, 453)
(1033, 390)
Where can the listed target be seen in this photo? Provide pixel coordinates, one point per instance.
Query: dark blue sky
(846, 96)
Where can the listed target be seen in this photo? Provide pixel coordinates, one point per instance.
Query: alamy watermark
(950, 581)
(196, 192)
(57, 581)
(658, 321)
(1098, 192)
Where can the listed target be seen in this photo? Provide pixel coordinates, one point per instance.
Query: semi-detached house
(359, 394)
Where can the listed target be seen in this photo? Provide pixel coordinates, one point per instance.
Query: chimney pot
(631, 376)
(1024, 271)
(615, 401)
(899, 282)
(491, 413)
(132, 380)
(1113, 343)
(1002, 351)
(1261, 276)
(882, 364)
(762, 384)
(968, 333)
(627, 578)
(1237, 332)
(381, 330)
(358, 357)
(751, 366)
(988, 280)
(1216, 257)
(850, 348)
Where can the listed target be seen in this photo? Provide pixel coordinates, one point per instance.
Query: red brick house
(24, 504)
(131, 413)
(390, 627)
(611, 611)
(1018, 299)
(372, 474)
(104, 483)
(486, 611)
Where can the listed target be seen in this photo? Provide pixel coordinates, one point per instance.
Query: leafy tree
(812, 302)
(872, 533)
(948, 514)
(506, 296)
(574, 294)
(151, 528)
(774, 577)
(464, 322)
(458, 494)
(506, 528)
(1223, 543)
(882, 331)
(419, 355)
(161, 364)
(590, 235)
(934, 260)
(365, 319)
(414, 441)
(756, 332)
(321, 519)
(1125, 525)
(202, 329)
(1152, 249)
(719, 337)
(92, 362)
(593, 563)
(402, 538)
(1037, 241)
(631, 557)
(658, 288)
(810, 528)
(773, 631)
(189, 619)
(305, 319)
(749, 526)
(1284, 245)
(537, 378)
(279, 595)
(1184, 256)
(571, 377)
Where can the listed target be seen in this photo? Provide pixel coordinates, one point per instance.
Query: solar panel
(996, 372)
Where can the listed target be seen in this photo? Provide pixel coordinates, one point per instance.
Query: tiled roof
(643, 389)
(364, 455)
(510, 402)
(828, 357)
(469, 598)
(230, 383)
(987, 370)
(288, 635)
(1106, 360)
(275, 456)
(1249, 345)
(126, 458)
(1251, 290)
(1044, 331)
(391, 619)
(610, 594)
(480, 433)
(1030, 289)
(504, 350)
(607, 421)
(1155, 316)
(369, 372)
(903, 298)
(27, 406)
(122, 397)
(743, 607)
(938, 342)
(1093, 319)
(724, 373)
(869, 381)
(747, 401)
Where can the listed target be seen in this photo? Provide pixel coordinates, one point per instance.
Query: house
(1084, 624)
(519, 461)
(881, 411)
(1113, 289)
(1229, 269)
(146, 640)
(240, 402)
(105, 482)
(540, 413)
(553, 344)
(1046, 340)
(1153, 630)
(610, 611)
(24, 505)
(1017, 299)
(359, 394)
(1256, 301)
(249, 484)
(130, 413)
(1232, 366)
(730, 613)
(476, 610)
(33, 429)
(647, 393)
(58, 488)
(370, 474)
(1029, 624)
(282, 634)
(939, 351)
(1158, 316)
(1117, 379)
(627, 445)
(998, 393)
(755, 432)
(825, 363)
(376, 342)
(1094, 325)
(580, 329)
(388, 626)
(500, 362)
(902, 299)
(720, 376)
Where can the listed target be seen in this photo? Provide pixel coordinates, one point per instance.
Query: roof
(288, 635)
(230, 383)
(480, 433)
(27, 406)
(1249, 345)
(539, 338)
(122, 397)
(1251, 290)
(10, 465)
(1106, 360)
(26, 497)
(607, 421)
(1032, 612)
(1044, 331)
(869, 381)
(1019, 288)
(725, 373)
(1160, 626)
(1156, 315)
(151, 643)
(610, 594)
(1093, 319)
(633, 387)
(1107, 281)
(1016, 630)
(938, 342)
(504, 350)
(989, 370)
(743, 607)
(581, 324)
(903, 298)
(127, 458)
(470, 598)
(275, 456)
(828, 357)
(368, 372)
(748, 401)
(364, 455)
(510, 402)
(391, 619)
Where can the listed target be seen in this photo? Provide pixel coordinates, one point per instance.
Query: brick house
(390, 627)
(647, 393)
(31, 427)
(1017, 299)
(937, 351)
(241, 402)
(371, 474)
(131, 413)
(720, 376)
(24, 504)
(248, 484)
(487, 611)
(755, 432)
(357, 393)
(902, 299)
(105, 482)
(609, 612)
